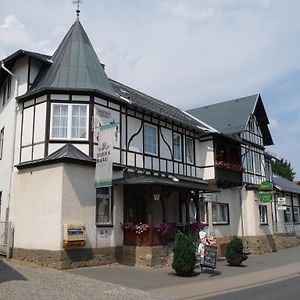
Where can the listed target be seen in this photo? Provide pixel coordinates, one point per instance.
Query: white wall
(230, 196)
(79, 206)
(36, 208)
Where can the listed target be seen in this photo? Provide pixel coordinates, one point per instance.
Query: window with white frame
(103, 206)
(220, 213)
(177, 146)
(263, 217)
(189, 150)
(69, 121)
(150, 139)
(1, 142)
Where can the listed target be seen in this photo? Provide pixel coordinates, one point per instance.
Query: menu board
(210, 258)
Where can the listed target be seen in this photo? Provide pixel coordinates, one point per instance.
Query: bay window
(69, 121)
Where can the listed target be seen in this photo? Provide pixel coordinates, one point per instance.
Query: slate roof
(158, 107)
(285, 185)
(231, 117)
(10, 61)
(137, 179)
(67, 153)
(75, 67)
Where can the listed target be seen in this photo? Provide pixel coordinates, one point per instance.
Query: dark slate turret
(75, 67)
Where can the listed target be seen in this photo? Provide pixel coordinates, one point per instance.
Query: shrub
(235, 252)
(184, 259)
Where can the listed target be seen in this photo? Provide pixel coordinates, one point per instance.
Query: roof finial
(78, 3)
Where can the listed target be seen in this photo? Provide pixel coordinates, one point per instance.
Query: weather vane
(78, 3)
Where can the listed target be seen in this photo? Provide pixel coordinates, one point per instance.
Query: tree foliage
(184, 260)
(283, 168)
(235, 252)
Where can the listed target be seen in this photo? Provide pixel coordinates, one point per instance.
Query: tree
(283, 168)
(184, 251)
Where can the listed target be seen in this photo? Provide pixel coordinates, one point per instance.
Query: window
(136, 209)
(69, 121)
(288, 214)
(1, 142)
(220, 213)
(203, 213)
(177, 146)
(263, 218)
(189, 150)
(150, 139)
(192, 212)
(103, 206)
(6, 90)
(296, 214)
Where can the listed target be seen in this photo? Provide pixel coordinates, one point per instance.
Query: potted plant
(184, 259)
(235, 252)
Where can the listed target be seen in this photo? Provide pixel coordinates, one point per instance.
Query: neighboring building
(286, 206)
(241, 165)
(168, 166)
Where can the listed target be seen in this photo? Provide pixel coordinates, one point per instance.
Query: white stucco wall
(36, 208)
(252, 225)
(232, 197)
(79, 207)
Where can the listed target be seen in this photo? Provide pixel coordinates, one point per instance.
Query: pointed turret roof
(75, 67)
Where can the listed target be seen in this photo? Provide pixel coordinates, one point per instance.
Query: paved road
(285, 289)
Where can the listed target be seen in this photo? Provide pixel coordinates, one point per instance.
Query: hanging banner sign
(104, 163)
(265, 197)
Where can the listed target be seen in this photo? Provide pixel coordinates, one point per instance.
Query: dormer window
(69, 121)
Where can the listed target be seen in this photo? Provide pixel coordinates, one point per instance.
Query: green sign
(265, 197)
(266, 186)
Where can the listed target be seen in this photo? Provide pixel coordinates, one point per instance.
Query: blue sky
(188, 53)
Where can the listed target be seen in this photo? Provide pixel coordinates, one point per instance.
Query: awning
(172, 181)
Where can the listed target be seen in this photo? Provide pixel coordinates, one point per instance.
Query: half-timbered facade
(162, 158)
(171, 169)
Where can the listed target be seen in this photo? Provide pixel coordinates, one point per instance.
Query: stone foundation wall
(68, 259)
(146, 256)
(261, 244)
(142, 255)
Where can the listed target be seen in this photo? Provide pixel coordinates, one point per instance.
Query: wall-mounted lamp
(156, 197)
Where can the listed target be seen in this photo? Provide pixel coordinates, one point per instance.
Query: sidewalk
(22, 281)
(257, 269)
